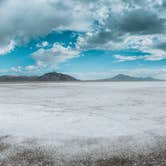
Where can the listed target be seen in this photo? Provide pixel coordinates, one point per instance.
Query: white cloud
(43, 44)
(53, 56)
(7, 48)
(31, 68)
(155, 55)
(122, 58)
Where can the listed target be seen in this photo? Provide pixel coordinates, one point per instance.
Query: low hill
(53, 76)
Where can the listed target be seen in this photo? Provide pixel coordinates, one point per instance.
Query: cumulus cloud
(132, 24)
(53, 56)
(128, 23)
(24, 20)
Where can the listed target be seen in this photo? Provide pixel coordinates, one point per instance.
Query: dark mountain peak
(54, 76)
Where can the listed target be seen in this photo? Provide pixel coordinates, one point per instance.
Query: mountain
(123, 77)
(53, 76)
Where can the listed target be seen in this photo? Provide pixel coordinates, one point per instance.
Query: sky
(88, 39)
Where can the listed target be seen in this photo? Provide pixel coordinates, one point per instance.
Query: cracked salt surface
(85, 114)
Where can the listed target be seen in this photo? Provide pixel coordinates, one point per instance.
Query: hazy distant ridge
(123, 77)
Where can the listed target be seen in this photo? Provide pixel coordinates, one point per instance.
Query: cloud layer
(107, 25)
(130, 25)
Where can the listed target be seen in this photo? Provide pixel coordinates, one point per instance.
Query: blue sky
(121, 36)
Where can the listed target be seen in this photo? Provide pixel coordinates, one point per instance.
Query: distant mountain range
(123, 77)
(54, 76)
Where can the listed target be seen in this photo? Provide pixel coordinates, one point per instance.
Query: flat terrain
(97, 119)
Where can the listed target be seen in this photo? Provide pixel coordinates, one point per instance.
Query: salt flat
(85, 115)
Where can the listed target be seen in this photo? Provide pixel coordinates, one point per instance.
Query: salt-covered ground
(95, 116)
